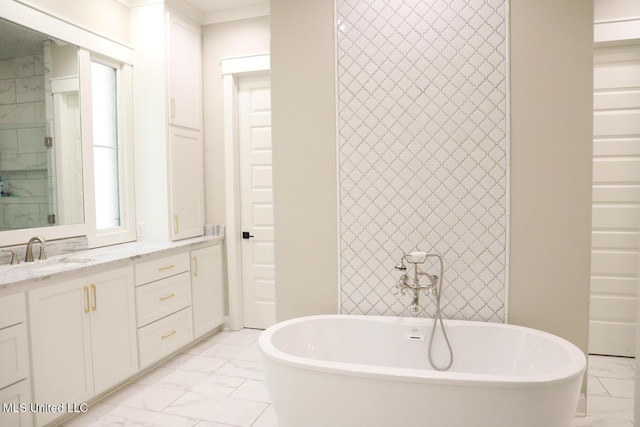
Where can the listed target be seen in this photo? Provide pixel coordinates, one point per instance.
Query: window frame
(126, 232)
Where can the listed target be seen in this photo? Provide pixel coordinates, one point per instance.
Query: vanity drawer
(163, 337)
(161, 298)
(13, 310)
(14, 354)
(160, 268)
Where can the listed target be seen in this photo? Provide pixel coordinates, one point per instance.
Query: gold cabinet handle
(176, 223)
(86, 298)
(165, 336)
(166, 297)
(173, 107)
(195, 270)
(166, 267)
(94, 307)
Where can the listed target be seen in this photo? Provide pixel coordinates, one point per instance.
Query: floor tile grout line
(601, 380)
(603, 386)
(261, 414)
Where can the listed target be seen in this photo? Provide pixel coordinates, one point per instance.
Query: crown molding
(235, 14)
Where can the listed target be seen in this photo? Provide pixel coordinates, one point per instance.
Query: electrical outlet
(140, 230)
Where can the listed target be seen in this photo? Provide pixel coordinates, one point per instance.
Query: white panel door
(256, 187)
(616, 200)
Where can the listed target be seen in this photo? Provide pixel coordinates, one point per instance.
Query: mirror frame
(87, 42)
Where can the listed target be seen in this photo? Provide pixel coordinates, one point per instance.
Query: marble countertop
(13, 275)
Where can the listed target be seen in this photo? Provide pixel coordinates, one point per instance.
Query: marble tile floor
(610, 392)
(218, 383)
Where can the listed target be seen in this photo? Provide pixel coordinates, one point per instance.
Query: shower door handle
(246, 235)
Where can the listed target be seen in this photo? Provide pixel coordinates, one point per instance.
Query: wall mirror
(40, 132)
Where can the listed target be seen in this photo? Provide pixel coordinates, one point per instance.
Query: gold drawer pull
(85, 289)
(165, 336)
(166, 297)
(166, 267)
(94, 307)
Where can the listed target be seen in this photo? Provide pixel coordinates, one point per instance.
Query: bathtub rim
(574, 369)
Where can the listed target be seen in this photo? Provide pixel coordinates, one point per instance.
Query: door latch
(246, 235)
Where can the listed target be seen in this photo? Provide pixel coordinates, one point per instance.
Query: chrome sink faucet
(28, 256)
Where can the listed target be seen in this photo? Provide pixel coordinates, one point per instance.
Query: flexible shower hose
(438, 317)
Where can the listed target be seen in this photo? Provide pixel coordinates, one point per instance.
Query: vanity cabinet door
(83, 338)
(186, 183)
(114, 346)
(61, 345)
(184, 70)
(206, 289)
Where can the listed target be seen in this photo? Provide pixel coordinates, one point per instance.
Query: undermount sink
(52, 261)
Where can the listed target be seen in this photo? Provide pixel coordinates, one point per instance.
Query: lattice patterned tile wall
(423, 150)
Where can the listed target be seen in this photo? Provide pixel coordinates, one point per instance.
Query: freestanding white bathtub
(373, 371)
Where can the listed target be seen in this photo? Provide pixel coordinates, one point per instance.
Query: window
(104, 104)
(109, 149)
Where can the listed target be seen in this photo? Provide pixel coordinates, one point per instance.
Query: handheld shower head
(417, 257)
(400, 265)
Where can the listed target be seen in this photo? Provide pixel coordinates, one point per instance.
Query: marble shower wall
(423, 160)
(23, 157)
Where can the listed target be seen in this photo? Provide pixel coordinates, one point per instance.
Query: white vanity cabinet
(186, 151)
(75, 334)
(206, 289)
(83, 337)
(168, 112)
(184, 42)
(163, 301)
(186, 183)
(15, 386)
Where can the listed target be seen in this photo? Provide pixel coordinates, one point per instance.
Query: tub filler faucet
(434, 287)
(413, 285)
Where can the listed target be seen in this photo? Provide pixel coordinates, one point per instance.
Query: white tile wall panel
(423, 150)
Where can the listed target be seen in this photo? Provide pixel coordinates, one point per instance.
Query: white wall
(224, 40)
(551, 161)
(304, 157)
(109, 18)
(551, 116)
